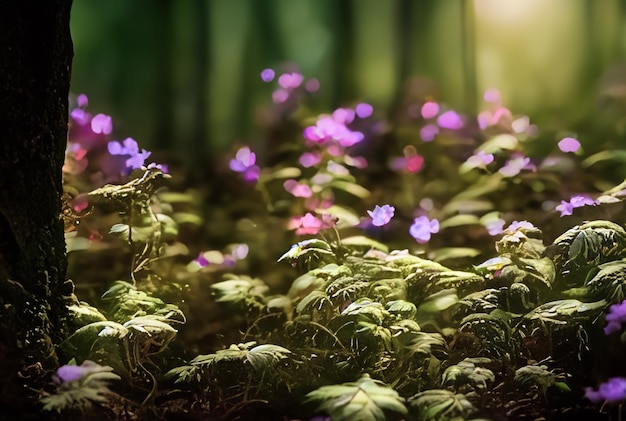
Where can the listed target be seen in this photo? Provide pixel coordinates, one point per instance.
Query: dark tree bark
(35, 60)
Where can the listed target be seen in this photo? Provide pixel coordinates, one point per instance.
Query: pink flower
(450, 120)
(309, 159)
(290, 81)
(311, 225)
(244, 162)
(569, 144)
(102, 124)
(429, 110)
(297, 189)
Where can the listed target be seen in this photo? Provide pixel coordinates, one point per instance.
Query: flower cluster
(567, 208)
(244, 162)
(515, 165)
(310, 224)
(615, 317)
(215, 259)
(334, 129)
(129, 148)
(611, 391)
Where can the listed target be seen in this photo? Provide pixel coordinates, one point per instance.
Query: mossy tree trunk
(35, 60)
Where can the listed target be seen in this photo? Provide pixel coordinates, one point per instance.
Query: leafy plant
(78, 387)
(365, 399)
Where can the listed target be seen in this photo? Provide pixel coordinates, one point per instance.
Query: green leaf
(452, 253)
(306, 247)
(361, 241)
(264, 357)
(498, 143)
(440, 405)
(352, 188)
(345, 217)
(364, 400)
(618, 155)
(288, 172)
(182, 218)
(460, 220)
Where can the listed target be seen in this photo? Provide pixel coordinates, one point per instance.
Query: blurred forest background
(182, 77)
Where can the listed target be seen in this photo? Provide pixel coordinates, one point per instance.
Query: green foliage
(538, 379)
(440, 405)
(366, 400)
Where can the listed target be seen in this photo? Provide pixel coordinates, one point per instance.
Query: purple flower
(569, 144)
(613, 390)
(267, 75)
(162, 167)
(495, 227)
(381, 215)
(244, 162)
(615, 317)
(428, 132)
(480, 159)
(513, 166)
(129, 147)
(71, 373)
(102, 124)
(516, 225)
(334, 128)
(363, 110)
(567, 208)
(429, 110)
(450, 120)
(422, 228)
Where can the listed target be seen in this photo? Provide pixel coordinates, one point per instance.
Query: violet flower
(422, 228)
(611, 391)
(515, 165)
(480, 159)
(569, 144)
(450, 120)
(136, 157)
(567, 208)
(615, 317)
(244, 163)
(381, 215)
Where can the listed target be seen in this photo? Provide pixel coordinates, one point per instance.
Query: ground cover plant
(357, 264)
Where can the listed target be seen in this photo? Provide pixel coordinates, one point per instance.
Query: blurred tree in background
(182, 77)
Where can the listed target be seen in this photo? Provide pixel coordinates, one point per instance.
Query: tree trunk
(35, 60)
